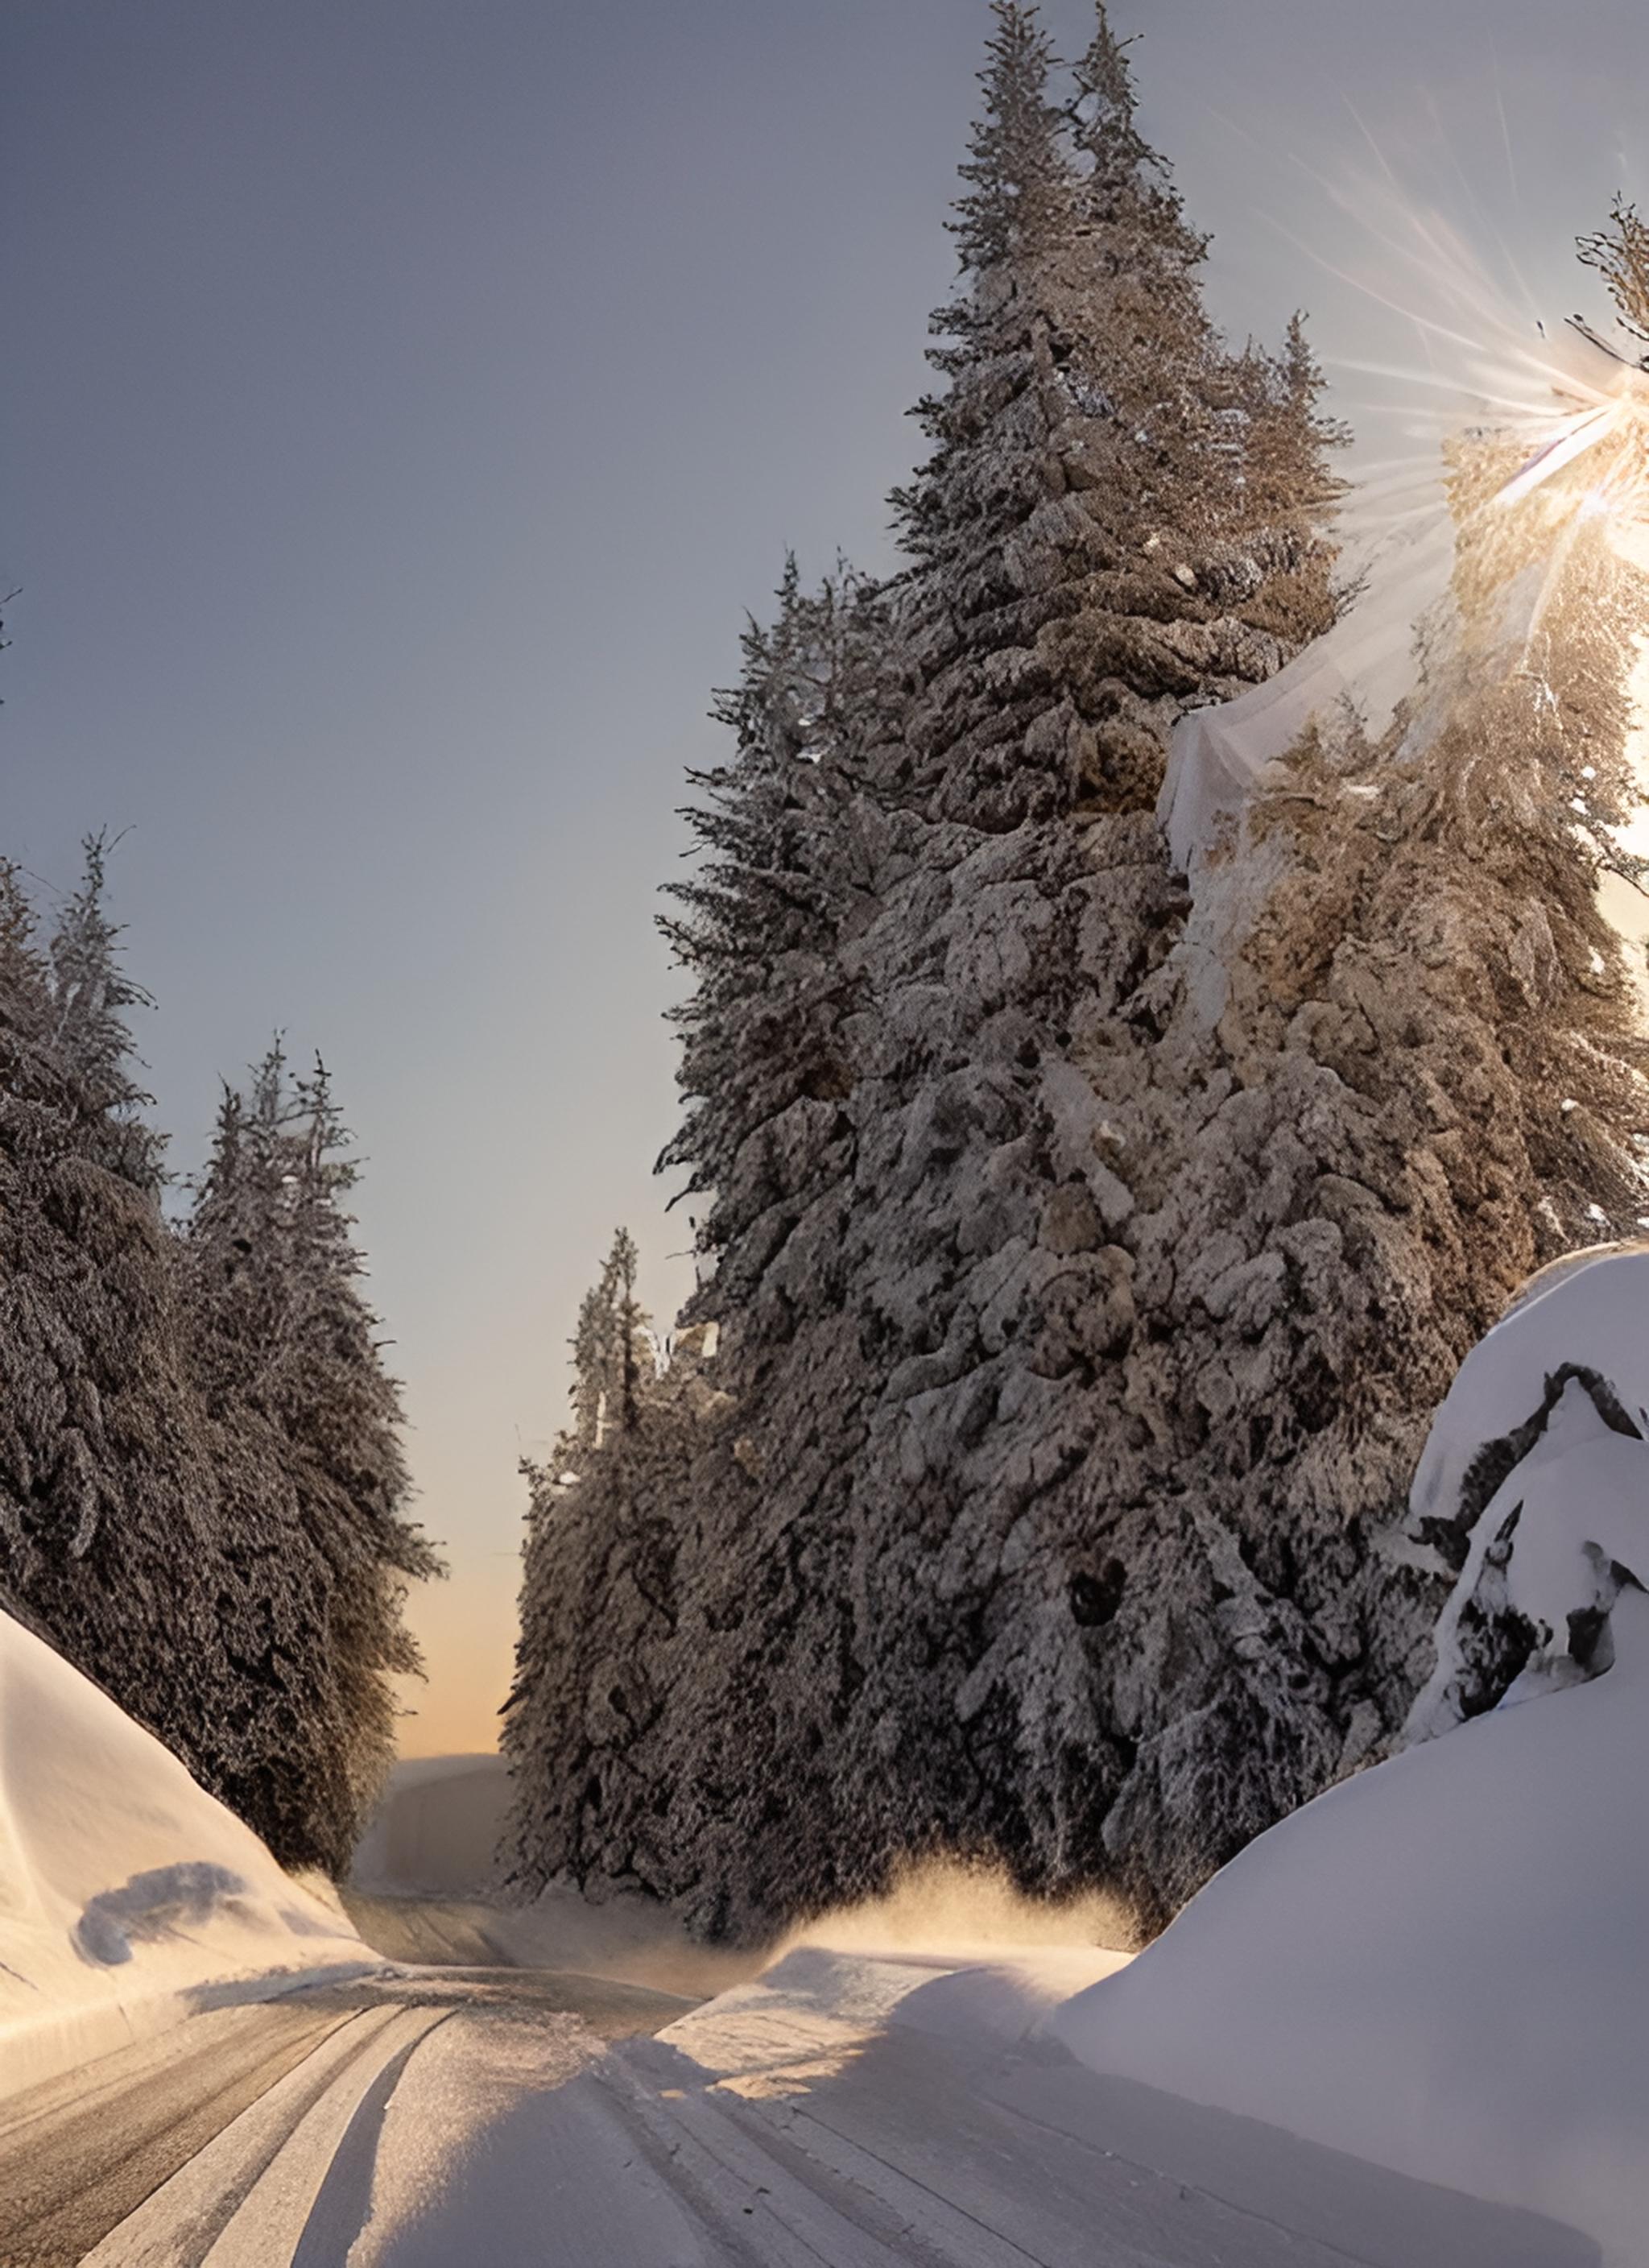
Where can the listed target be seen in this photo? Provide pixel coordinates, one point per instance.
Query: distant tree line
(203, 1499)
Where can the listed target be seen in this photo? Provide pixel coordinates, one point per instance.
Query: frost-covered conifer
(109, 1540)
(598, 1658)
(617, 1566)
(200, 1486)
(780, 829)
(91, 992)
(315, 1484)
(1289, 487)
(922, 1279)
(1390, 1063)
(610, 1350)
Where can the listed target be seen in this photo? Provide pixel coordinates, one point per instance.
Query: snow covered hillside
(1439, 1965)
(127, 1896)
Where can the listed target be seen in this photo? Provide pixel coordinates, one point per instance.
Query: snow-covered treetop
(89, 994)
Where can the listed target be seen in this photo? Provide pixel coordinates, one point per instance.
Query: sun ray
(1505, 126)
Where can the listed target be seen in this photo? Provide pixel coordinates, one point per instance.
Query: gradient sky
(406, 399)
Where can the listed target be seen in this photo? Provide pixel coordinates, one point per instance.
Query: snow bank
(1440, 1965)
(803, 2019)
(127, 1896)
(1593, 1314)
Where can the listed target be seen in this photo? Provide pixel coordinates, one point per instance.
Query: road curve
(436, 2118)
(148, 2158)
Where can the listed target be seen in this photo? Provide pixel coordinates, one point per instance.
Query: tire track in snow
(76, 2159)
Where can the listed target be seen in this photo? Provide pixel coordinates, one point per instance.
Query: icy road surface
(240, 2135)
(841, 2112)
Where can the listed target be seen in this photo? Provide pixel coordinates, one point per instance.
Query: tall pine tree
(787, 844)
(604, 1537)
(111, 1535)
(202, 1492)
(922, 1278)
(291, 1372)
(90, 993)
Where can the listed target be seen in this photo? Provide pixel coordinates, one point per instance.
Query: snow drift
(127, 1895)
(1439, 1965)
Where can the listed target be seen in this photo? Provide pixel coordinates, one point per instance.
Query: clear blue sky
(407, 397)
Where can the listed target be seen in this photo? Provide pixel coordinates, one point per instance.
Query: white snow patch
(1440, 1965)
(127, 1895)
(451, 2128)
(806, 2017)
(1589, 1310)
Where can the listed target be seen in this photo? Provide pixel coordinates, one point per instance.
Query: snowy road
(839, 2114)
(221, 2138)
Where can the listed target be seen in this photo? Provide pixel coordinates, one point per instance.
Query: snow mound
(1439, 1964)
(1584, 1314)
(817, 2008)
(127, 1895)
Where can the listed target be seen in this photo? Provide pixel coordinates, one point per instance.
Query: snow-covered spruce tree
(1399, 1065)
(109, 1538)
(922, 1279)
(597, 1661)
(1289, 488)
(991, 1252)
(758, 921)
(614, 1563)
(611, 1349)
(91, 992)
(313, 1482)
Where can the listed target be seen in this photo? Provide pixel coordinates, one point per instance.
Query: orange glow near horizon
(466, 1627)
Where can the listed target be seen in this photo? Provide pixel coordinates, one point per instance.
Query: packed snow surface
(869, 2108)
(1439, 1964)
(127, 1895)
